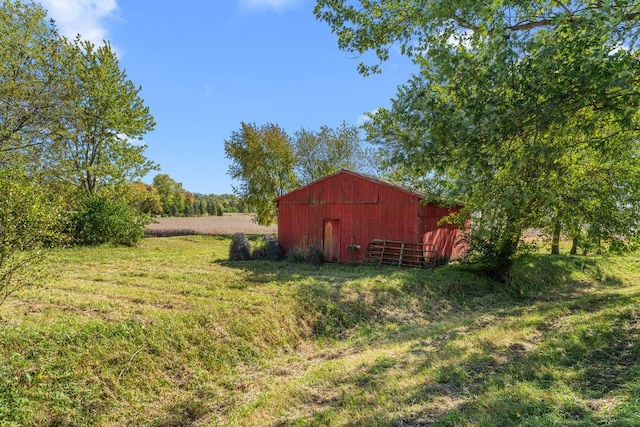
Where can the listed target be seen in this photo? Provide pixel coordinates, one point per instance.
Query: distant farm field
(215, 225)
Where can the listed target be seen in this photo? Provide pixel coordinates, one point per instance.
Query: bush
(240, 248)
(28, 222)
(268, 248)
(100, 220)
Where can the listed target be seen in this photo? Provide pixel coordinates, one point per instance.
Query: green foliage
(100, 220)
(146, 198)
(93, 147)
(262, 159)
(28, 221)
(69, 113)
(218, 204)
(172, 195)
(525, 112)
(33, 88)
(322, 153)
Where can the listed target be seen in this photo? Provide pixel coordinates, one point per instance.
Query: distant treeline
(166, 197)
(212, 204)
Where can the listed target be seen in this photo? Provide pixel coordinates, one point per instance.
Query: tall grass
(170, 333)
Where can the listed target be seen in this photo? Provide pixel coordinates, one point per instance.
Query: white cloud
(461, 38)
(366, 117)
(619, 48)
(268, 4)
(84, 17)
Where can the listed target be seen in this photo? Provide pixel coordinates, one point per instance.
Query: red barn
(345, 212)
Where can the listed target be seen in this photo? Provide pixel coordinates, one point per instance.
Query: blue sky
(207, 65)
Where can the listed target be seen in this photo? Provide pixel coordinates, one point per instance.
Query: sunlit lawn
(169, 333)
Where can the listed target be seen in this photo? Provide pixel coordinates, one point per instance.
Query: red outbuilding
(348, 215)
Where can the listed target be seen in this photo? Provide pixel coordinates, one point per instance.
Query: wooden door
(331, 240)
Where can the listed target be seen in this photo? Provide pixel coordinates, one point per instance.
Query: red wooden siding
(447, 237)
(349, 208)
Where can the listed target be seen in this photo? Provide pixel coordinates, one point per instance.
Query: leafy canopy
(263, 162)
(94, 142)
(33, 89)
(322, 153)
(524, 111)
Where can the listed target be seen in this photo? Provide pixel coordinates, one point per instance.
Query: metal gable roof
(370, 178)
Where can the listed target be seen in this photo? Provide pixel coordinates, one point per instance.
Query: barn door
(331, 240)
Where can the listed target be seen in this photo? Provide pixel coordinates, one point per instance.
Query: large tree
(32, 85)
(263, 161)
(32, 97)
(322, 153)
(516, 110)
(146, 198)
(172, 195)
(96, 143)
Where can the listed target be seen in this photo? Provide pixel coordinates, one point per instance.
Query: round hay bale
(273, 251)
(240, 248)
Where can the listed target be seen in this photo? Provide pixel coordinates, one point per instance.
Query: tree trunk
(555, 242)
(574, 246)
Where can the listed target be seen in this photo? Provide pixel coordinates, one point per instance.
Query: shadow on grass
(572, 375)
(148, 232)
(345, 296)
(581, 356)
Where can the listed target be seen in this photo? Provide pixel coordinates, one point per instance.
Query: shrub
(100, 220)
(240, 248)
(28, 221)
(314, 255)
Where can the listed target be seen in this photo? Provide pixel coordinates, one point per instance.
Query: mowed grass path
(169, 334)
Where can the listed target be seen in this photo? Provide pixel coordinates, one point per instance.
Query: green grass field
(171, 334)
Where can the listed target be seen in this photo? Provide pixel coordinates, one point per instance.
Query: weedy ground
(171, 334)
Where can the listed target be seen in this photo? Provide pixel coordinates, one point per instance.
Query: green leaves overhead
(525, 111)
(417, 27)
(32, 85)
